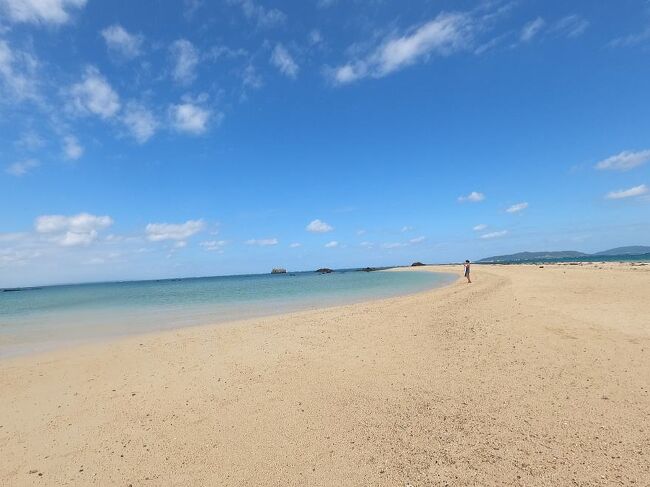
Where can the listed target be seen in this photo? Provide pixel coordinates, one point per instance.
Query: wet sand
(528, 376)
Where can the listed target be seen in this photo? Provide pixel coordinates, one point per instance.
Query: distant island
(641, 251)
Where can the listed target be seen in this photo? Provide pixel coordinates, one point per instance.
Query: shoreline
(528, 376)
(69, 346)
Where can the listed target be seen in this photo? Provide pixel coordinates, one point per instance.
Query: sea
(43, 318)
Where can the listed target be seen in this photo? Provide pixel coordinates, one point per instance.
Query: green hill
(524, 256)
(631, 250)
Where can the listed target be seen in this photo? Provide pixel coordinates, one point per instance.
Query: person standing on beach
(467, 264)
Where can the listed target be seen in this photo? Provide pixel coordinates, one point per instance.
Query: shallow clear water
(43, 318)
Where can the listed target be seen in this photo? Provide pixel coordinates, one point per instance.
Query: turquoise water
(44, 318)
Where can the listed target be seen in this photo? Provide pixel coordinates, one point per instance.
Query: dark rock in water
(417, 264)
(368, 269)
(324, 270)
(19, 289)
(279, 270)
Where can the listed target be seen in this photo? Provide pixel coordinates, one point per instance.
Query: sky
(154, 139)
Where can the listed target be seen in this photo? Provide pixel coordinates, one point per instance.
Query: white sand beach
(528, 376)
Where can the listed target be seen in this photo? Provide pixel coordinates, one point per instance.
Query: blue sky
(155, 139)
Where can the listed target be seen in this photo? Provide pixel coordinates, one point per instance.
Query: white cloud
(480, 227)
(121, 42)
(627, 193)
(531, 29)
(361, 231)
(69, 231)
(30, 141)
(190, 118)
(21, 168)
(632, 39)
(72, 149)
(40, 11)
(83, 222)
(473, 197)
(140, 122)
(571, 26)
(517, 208)
(18, 73)
(250, 78)
(95, 95)
(406, 228)
(262, 242)
(502, 233)
(393, 245)
(11, 256)
(332, 244)
(318, 226)
(185, 58)
(214, 245)
(315, 37)
(282, 60)
(157, 232)
(262, 16)
(295, 245)
(624, 161)
(417, 240)
(367, 245)
(447, 33)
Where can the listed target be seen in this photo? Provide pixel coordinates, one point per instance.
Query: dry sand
(529, 376)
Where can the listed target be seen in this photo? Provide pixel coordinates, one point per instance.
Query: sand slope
(529, 376)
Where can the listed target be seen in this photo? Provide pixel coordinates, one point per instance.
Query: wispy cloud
(473, 197)
(417, 240)
(627, 193)
(295, 245)
(318, 226)
(72, 149)
(71, 231)
(282, 60)
(262, 242)
(624, 161)
(189, 118)
(185, 59)
(490, 235)
(94, 95)
(393, 245)
(40, 11)
(332, 244)
(262, 16)
(157, 232)
(445, 34)
(18, 73)
(140, 122)
(214, 245)
(570, 26)
(20, 168)
(121, 42)
(480, 227)
(531, 29)
(632, 39)
(519, 207)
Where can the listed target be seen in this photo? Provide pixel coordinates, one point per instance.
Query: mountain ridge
(563, 254)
